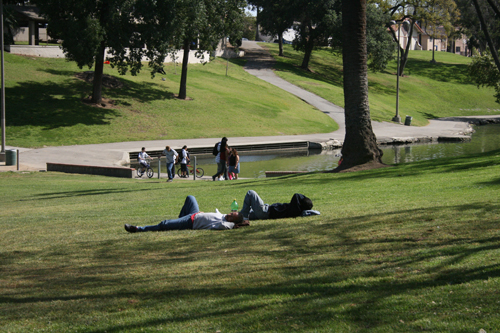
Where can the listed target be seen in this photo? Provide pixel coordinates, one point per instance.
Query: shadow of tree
(52, 105)
(345, 272)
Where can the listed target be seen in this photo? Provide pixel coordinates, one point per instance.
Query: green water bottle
(234, 206)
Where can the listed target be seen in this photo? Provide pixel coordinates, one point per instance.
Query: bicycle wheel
(199, 172)
(139, 172)
(179, 173)
(150, 172)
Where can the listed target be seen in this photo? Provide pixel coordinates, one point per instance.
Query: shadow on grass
(330, 74)
(283, 272)
(455, 73)
(92, 192)
(53, 105)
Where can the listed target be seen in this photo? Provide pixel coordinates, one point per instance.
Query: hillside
(427, 90)
(44, 105)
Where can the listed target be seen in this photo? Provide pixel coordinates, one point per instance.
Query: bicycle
(145, 170)
(199, 171)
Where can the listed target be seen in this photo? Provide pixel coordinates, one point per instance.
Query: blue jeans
(253, 207)
(170, 170)
(182, 222)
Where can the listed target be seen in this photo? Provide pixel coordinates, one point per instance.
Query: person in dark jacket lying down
(254, 207)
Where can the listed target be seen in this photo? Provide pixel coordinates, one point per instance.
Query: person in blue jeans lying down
(190, 217)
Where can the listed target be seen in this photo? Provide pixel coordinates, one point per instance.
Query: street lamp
(2, 101)
(397, 118)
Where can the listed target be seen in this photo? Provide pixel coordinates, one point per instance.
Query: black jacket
(298, 203)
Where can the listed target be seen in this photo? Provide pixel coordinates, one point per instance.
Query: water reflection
(485, 139)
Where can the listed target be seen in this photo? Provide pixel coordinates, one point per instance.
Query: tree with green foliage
(89, 27)
(379, 44)
(201, 24)
(275, 17)
(360, 144)
(439, 20)
(436, 12)
(485, 70)
(317, 20)
(10, 24)
(249, 23)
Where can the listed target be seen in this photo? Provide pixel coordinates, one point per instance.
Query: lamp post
(397, 118)
(2, 102)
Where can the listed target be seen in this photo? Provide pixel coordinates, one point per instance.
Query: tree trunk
(185, 61)
(257, 36)
(360, 143)
(308, 51)
(99, 66)
(280, 43)
(493, 50)
(433, 47)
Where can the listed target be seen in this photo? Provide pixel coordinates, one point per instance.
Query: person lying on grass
(254, 208)
(190, 217)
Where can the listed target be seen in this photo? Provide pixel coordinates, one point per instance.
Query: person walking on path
(190, 217)
(221, 159)
(171, 157)
(234, 164)
(184, 158)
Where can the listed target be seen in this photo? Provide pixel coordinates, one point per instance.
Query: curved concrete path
(259, 64)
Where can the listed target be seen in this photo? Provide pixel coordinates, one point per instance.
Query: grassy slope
(409, 248)
(43, 103)
(427, 91)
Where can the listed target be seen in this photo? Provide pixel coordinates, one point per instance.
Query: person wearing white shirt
(171, 155)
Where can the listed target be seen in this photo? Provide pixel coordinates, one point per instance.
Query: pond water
(486, 138)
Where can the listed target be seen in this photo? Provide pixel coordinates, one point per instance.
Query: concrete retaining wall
(48, 51)
(92, 170)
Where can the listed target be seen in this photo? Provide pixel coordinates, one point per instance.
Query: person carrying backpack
(221, 159)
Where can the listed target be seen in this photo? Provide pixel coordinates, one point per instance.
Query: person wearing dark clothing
(254, 207)
(221, 159)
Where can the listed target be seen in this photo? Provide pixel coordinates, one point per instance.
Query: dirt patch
(108, 81)
(106, 103)
(183, 99)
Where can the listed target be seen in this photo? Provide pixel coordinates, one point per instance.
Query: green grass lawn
(409, 248)
(426, 91)
(44, 105)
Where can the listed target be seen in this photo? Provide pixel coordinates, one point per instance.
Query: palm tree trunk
(360, 143)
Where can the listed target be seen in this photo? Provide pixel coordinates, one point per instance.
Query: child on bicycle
(142, 157)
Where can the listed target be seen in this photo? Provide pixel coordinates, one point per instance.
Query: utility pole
(2, 153)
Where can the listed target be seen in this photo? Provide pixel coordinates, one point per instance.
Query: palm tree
(360, 143)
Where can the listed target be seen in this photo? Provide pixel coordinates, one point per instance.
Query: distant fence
(121, 172)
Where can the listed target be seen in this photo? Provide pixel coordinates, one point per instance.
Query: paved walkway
(259, 64)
